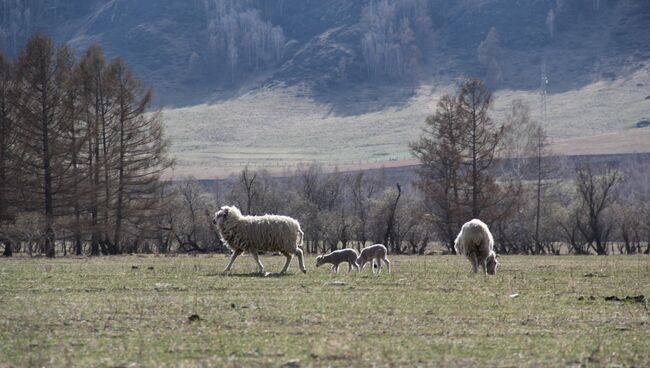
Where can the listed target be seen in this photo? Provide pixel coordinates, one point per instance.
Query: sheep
(476, 243)
(252, 234)
(371, 253)
(338, 256)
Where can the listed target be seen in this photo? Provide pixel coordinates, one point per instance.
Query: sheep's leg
(349, 267)
(301, 260)
(336, 268)
(474, 261)
(286, 264)
(387, 262)
(378, 261)
(260, 266)
(332, 268)
(234, 255)
(357, 266)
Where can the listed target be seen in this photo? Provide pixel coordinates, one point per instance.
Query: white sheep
(372, 253)
(339, 256)
(476, 243)
(270, 233)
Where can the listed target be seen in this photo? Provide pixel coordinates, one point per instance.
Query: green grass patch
(180, 311)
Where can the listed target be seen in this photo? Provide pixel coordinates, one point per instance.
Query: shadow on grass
(252, 274)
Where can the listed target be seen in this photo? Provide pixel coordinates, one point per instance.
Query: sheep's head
(492, 263)
(319, 261)
(221, 215)
(360, 262)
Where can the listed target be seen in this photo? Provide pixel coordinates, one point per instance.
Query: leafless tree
(395, 36)
(7, 147)
(96, 104)
(190, 221)
(362, 190)
(440, 151)
(596, 194)
(42, 76)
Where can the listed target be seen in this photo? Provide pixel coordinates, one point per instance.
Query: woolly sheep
(371, 253)
(476, 243)
(252, 234)
(339, 256)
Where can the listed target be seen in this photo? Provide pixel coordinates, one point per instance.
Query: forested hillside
(203, 50)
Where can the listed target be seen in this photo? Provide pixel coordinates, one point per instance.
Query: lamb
(252, 234)
(371, 253)
(476, 243)
(338, 256)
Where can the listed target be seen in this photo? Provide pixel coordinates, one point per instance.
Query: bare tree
(188, 222)
(527, 156)
(7, 147)
(481, 137)
(239, 39)
(596, 194)
(140, 151)
(362, 190)
(440, 151)
(390, 236)
(95, 106)
(41, 79)
(247, 180)
(395, 36)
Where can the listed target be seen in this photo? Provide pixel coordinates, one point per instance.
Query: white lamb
(339, 256)
(476, 243)
(372, 253)
(270, 233)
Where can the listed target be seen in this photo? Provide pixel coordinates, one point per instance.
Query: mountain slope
(274, 82)
(196, 51)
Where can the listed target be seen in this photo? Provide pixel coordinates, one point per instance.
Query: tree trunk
(538, 200)
(120, 187)
(94, 174)
(389, 236)
(47, 170)
(8, 252)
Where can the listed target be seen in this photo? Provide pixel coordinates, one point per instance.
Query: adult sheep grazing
(375, 252)
(337, 257)
(270, 233)
(476, 243)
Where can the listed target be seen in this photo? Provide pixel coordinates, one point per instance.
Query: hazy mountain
(194, 50)
(270, 83)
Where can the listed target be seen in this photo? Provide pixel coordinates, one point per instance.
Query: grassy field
(179, 311)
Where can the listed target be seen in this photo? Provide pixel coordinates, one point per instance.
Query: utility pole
(542, 91)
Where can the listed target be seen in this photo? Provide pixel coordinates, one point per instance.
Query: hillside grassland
(131, 311)
(278, 127)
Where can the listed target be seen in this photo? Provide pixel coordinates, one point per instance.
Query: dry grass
(132, 311)
(278, 127)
